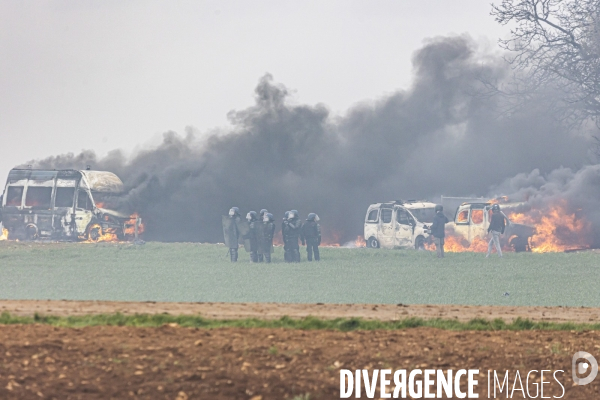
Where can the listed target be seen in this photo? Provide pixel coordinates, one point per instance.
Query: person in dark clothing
(265, 231)
(261, 216)
(438, 230)
(285, 228)
(253, 222)
(294, 231)
(498, 223)
(311, 233)
(231, 232)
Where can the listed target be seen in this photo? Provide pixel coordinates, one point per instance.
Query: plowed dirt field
(171, 362)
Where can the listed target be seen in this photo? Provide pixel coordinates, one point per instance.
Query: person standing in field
(294, 225)
(265, 231)
(253, 222)
(261, 216)
(311, 233)
(231, 232)
(285, 235)
(498, 222)
(438, 230)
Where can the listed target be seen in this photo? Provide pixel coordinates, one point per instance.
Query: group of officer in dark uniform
(256, 233)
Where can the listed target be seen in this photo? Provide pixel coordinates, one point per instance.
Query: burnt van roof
(99, 181)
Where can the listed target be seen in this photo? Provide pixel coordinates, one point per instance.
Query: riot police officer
(285, 231)
(231, 232)
(253, 222)
(265, 231)
(294, 232)
(261, 216)
(311, 233)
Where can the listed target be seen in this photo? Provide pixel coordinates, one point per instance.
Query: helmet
(495, 207)
(293, 214)
(311, 217)
(287, 215)
(268, 217)
(263, 212)
(251, 216)
(438, 208)
(234, 211)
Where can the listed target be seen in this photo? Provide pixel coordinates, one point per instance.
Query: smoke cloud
(439, 137)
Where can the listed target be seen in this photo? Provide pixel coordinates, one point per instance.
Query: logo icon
(587, 364)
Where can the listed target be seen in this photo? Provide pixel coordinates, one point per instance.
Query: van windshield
(423, 214)
(109, 201)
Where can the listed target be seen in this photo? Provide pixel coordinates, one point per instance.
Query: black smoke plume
(439, 137)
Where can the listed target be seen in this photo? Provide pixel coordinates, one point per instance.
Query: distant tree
(556, 44)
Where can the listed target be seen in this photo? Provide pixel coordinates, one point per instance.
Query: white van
(61, 205)
(399, 224)
(472, 220)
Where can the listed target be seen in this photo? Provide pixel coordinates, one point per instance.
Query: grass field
(201, 272)
(308, 323)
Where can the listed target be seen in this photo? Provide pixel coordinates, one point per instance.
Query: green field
(202, 273)
(341, 324)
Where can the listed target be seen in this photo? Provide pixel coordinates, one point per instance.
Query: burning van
(399, 224)
(62, 205)
(472, 220)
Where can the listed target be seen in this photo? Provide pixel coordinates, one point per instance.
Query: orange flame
(96, 234)
(360, 242)
(498, 200)
(454, 243)
(4, 235)
(330, 239)
(130, 225)
(556, 230)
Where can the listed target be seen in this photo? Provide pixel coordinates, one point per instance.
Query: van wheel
(420, 243)
(31, 232)
(373, 243)
(94, 233)
(519, 244)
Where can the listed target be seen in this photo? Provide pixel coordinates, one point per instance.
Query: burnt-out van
(61, 205)
(399, 224)
(472, 220)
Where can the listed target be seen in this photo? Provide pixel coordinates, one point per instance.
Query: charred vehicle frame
(399, 224)
(61, 205)
(472, 220)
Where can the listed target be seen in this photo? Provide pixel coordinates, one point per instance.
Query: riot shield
(244, 229)
(230, 232)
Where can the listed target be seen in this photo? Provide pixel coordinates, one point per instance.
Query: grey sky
(111, 74)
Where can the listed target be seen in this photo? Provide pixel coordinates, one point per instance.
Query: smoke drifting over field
(435, 138)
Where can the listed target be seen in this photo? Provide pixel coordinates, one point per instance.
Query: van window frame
(405, 212)
(5, 199)
(391, 210)
(47, 206)
(482, 216)
(373, 221)
(62, 188)
(89, 201)
(467, 220)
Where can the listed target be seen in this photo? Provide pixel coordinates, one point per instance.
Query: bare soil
(384, 312)
(41, 361)
(171, 362)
